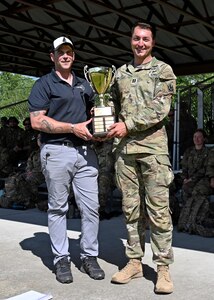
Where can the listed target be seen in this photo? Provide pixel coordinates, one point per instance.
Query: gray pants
(63, 166)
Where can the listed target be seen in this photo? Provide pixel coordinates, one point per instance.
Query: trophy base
(100, 134)
(101, 124)
(103, 118)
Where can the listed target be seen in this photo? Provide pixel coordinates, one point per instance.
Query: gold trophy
(100, 78)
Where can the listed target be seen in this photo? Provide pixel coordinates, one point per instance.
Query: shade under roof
(100, 30)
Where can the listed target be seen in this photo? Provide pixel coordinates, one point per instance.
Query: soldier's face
(142, 43)
(198, 138)
(13, 124)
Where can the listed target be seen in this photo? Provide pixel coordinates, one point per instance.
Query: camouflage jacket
(210, 164)
(194, 163)
(142, 99)
(6, 166)
(34, 166)
(12, 137)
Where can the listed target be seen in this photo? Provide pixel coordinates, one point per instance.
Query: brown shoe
(164, 284)
(132, 270)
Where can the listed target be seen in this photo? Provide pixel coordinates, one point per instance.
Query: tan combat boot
(133, 269)
(164, 284)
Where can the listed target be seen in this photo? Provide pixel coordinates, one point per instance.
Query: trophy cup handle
(86, 73)
(113, 74)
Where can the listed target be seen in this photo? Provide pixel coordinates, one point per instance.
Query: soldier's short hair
(13, 119)
(202, 131)
(144, 25)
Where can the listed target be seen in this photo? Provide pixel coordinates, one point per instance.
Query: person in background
(29, 135)
(195, 187)
(106, 176)
(205, 225)
(59, 106)
(4, 123)
(21, 187)
(210, 168)
(6, 166)
(12, 139)
(142, 94)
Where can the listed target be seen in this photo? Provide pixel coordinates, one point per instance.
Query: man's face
(27, 125)
(198, 138)
(13, 124)
(142, 43)
(63, 58)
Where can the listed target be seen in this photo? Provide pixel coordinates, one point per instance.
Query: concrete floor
(26, 262)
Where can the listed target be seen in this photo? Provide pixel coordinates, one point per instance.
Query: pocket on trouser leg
(164, 174)
(118, 165)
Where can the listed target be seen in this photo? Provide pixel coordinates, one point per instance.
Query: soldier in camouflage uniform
(195, 188)
(210, 168)
(22, 187)
(29, 134)
(106, 174)
(205, 224)
(142, 94)
(4, 124)
(6, 167)
(11, 139)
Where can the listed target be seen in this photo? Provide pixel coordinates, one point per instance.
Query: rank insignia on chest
(134, 82)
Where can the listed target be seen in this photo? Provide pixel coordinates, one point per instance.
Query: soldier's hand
(118, 130)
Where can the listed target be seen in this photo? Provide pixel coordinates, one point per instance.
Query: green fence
(188, 94)
(18, 110)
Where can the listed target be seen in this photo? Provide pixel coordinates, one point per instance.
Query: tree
(14, 88)
(14, 91)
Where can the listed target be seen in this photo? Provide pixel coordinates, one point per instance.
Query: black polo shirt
(63, 102)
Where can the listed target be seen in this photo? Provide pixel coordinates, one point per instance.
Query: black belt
(67, 144)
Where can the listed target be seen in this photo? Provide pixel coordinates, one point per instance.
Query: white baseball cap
(61, 41)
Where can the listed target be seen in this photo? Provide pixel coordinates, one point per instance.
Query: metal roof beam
(105, 28)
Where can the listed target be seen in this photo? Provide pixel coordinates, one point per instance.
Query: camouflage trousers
(206, 226)
(105, 186)
(144, 182)
(196, 206)
(21, 191)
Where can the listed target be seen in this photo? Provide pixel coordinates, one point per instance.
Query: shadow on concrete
(112, 234)
(39, 245)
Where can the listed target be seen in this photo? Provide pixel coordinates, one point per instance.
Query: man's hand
(81, 130)
(118, 130)
(212, 182)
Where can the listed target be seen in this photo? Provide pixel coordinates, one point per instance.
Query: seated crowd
(20, 164)
(22, 176)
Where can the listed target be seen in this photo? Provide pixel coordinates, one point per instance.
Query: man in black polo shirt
(59, 106)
